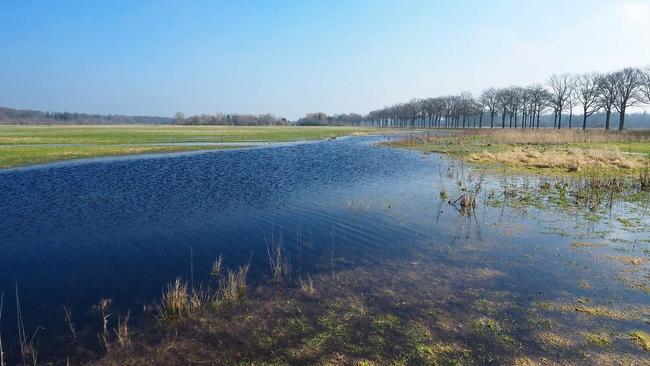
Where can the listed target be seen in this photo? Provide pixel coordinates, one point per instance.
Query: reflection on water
(72, 234)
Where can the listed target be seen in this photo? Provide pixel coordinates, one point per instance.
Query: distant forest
(12, 116)
(221, 119)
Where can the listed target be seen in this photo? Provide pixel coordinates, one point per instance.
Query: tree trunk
(621, 120)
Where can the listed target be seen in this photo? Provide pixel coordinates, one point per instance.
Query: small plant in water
(216, 268)
(443, 193)
(103, 307)
(278, 260)
(307, 286)
(122, 331)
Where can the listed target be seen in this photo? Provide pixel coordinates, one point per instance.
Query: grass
(543, 151)
(599, 338)
(642, 339)
(24, 145)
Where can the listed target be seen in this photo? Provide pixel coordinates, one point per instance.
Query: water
(74, 233)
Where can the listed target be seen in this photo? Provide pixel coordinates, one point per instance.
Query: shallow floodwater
(72, 234)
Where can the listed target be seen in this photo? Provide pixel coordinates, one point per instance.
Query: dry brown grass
(179, 300)
(571, 159)
(233, 287)
(549, 136)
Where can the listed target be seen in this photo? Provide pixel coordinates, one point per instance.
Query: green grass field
(24, 145)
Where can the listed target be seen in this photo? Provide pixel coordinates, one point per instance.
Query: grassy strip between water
(12, 156)
(24, 145)
(542, 151)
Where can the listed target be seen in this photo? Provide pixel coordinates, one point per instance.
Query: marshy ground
(544, 151)
(459, 303)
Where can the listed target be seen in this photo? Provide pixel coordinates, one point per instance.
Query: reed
(69, 323)
(307, 285)
(233, 288)
(122, 331)
(2, 354)
(217, 267)
(28, 350)
(178, 301)
(104, 337)
(174, 304)
(278, 260)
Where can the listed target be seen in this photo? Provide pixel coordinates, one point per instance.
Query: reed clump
(307, 285)
(179, 300)
(233, 287)
(278, 261)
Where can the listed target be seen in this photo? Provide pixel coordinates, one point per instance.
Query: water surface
(74, 233)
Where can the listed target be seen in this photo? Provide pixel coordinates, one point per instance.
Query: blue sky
(293, 57)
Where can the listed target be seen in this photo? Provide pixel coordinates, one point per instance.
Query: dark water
(71, 234)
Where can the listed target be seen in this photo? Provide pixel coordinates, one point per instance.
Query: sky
(293, 57)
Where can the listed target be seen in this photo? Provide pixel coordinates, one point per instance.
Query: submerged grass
(642, 339)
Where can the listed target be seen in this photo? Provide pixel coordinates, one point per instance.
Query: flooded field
(355, 254)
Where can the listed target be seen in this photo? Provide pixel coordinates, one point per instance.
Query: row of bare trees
(521, 107)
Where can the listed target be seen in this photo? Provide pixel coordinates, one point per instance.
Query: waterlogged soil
(535, 273)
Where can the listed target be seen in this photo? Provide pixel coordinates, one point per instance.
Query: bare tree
(628, 83)
(587, 92)
(490, 99)
(503, 97)
(646, 84)
(607, 95)
(560, 92)
(539, 100)
(573, 100)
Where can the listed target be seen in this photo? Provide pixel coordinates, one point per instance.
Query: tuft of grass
(173, 305)
(278, 260)
(233, 288)
(179, 300)
(599, 338)
(642, 339)
(307, 285)
(122, 331)
(216, 267)
(491, 328)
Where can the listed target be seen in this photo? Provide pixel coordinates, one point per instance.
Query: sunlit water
(74, 233)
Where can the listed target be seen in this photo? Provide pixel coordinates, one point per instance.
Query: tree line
(221, 119)
(567, 95)
(30, 117)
